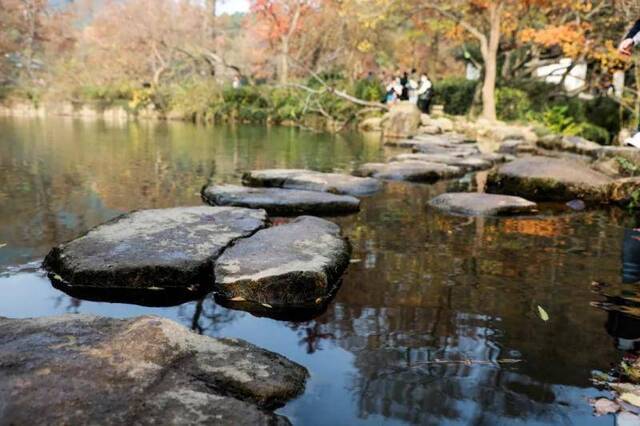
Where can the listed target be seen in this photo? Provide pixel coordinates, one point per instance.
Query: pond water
(426, 312)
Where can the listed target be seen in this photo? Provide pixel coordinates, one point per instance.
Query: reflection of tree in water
(311, 335)
(453, 289)
(72, 304)
(207, 317)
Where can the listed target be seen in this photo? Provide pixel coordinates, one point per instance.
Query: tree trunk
(490, 55)
(284, 61)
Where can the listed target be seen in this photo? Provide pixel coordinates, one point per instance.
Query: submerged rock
(550, 179)
(410, 171)
(467, 163)
(479, 204)
(78, 369)
(164, 248)
(280, 202)
(311, 181)
(299, 263)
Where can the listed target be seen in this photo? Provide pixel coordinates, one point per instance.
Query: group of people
(410, 87)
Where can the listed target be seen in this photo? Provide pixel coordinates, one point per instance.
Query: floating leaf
(543, 314)
(266, 305)
(2, 245)
(605, 406)
(238, 299)
(631, 398)
(355, 261)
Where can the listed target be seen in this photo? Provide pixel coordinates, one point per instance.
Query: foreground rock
(295, 264)
(80, 369)
(550, 179)
(311, 181)
(467, 163)
(280, 202)
(410, 171)
(164, 248)
(402, 121)
(479, 204)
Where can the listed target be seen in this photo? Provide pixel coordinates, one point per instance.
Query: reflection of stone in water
(631, 256)
(207, 317)
(542, 227)
(625, 329)
(312, 335)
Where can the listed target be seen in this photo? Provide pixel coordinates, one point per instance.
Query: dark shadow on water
(292, 314)
(160, 298)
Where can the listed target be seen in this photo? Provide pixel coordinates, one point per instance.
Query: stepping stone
(410, 171)
(164, 248)
(550, 179)
(480, 204)
(146, 370)
(447, 140)
(280, 202)
(454, 150)
(311, 181)
(296, 264)
(573, 144)
(467, 163)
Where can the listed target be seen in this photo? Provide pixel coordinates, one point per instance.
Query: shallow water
(426, 313)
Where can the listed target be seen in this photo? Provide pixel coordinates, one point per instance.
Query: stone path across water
(182, 248)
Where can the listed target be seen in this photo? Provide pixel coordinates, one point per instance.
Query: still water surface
(424, 287)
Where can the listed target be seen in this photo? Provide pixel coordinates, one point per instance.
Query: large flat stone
(410, 171)
(550, 179)
(294, 264)
(164, 248)
(78, 369)
(281, 202)
(467, 163)
(311, 181)
(572, 144)
(462, 150)
(479, 204)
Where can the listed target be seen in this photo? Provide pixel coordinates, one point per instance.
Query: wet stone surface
(164, 248)
(467, 163)
(311, 181)
(410, 171)
(479, 204)
(281, 202)
(144, 371)
(296, 264)
(550, 179)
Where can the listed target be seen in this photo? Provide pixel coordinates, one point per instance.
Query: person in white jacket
(424, 93)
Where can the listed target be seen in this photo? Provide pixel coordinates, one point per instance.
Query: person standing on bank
(425, 93)
(626, 48)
